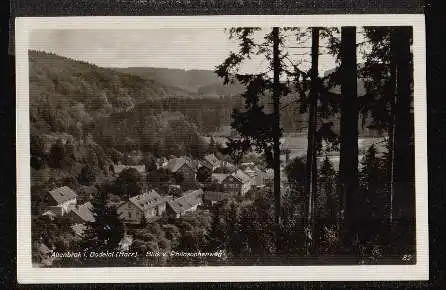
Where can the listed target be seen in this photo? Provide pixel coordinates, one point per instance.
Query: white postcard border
(28, 274)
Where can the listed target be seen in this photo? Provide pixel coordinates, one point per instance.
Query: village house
(218, 179)
(238, 183)
(212, 160)
(81, 214)
(63, 200)
(204, 163)
(211, 198)
(183, 166)
(145, 207)
(228, 165)
(189, 202)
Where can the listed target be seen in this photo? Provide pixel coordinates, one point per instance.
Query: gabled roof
(147, 200)
(85, 212)
(232, 178)
(62, 194)
(242, 176)
(215, 195)
(205, 163)
(212, 159)
(176, 163)
(219, 177)
(190, 199)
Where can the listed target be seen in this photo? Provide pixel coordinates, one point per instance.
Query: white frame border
(27, 274)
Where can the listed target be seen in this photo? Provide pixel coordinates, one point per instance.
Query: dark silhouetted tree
(57, 154)
(403, 154)
(257, 129)
(87, 175)
(204, 174)
(128, 182)
(107, 230)
(348, 164)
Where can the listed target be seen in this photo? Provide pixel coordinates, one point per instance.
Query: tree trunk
(403, 164)
(348, 164)
(276, 125)
(311, 171)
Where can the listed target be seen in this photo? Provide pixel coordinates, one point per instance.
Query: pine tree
(257, 129)
(388, 74)
(348, 165)
(311, 171)
(107, 230)
(403, 155)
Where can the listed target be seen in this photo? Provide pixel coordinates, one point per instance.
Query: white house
(63, 200)
(187, 203)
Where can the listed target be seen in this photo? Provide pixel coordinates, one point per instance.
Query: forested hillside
(199, 82)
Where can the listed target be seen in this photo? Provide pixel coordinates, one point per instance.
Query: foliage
(54, 233)
(107, 230)
(57, 154)
(87, 176)
(253, 123)
(295, 171)
(128, 183)
(150, 163)
(204, 174)
(158, 177)
(374, 188)
(178, 177)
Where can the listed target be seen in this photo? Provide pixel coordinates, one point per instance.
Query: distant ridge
(200, 82)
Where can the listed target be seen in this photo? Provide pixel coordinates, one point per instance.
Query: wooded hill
(202, 83)
(67, 95)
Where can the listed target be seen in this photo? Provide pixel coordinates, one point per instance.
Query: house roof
(190, 199)
(242, 176)
(62, 194)
(219, 177)
(215, 195)
(120, 167)
(232, 178)
(147, 200)
(85, 212)
(175, 164)
(212, 159)
(205, 163)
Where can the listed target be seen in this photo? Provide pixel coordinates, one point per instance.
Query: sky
(168, 48)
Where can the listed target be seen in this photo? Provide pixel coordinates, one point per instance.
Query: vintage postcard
(221, 148)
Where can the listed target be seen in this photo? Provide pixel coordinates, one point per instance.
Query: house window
(130, 214)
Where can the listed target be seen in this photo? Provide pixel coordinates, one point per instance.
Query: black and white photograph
(201, 145)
